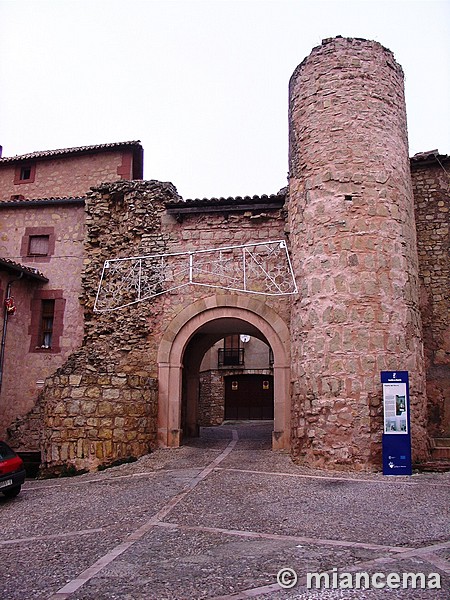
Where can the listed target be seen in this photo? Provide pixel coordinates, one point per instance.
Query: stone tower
(352, 235)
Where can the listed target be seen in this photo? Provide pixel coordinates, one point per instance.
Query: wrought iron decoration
(257, 268)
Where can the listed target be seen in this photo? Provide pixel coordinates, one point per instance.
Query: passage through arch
(184, 344)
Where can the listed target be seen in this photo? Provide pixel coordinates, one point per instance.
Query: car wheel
(13, 492)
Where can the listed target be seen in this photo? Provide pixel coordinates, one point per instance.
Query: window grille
(231, 354)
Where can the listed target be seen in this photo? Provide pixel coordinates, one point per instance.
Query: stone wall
(25, 432)
(97, 417)
(101, 405)
(351, 219)
(213, 230)
(351, 232)
(431, 195)
(87, 402)
(211, 405)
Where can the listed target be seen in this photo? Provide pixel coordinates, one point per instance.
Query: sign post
(396, 426)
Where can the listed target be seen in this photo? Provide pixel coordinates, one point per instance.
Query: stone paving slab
(217, 519)
(33, 570)
(353, 511)
(73, 505)
(171, 564)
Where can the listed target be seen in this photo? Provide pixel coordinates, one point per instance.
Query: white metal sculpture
(258, 268)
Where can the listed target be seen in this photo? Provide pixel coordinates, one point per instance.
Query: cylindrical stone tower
(352, 235)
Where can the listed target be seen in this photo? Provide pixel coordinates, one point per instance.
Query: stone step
(435, 466)
(440, 453)
(440, 448)
(443, 442)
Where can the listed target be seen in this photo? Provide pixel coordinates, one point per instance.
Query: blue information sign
(396, 425)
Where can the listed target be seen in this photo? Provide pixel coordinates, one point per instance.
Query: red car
(12, 471)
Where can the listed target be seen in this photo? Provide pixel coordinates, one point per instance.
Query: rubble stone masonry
(352, 232)
(211, 398)
(431, 182)
(101, 405)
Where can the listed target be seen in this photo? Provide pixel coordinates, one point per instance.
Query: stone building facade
(367, 234)
(42, 231)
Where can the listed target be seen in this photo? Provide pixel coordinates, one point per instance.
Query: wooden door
(248, 397)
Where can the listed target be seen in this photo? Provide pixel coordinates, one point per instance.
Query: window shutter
(38, 245)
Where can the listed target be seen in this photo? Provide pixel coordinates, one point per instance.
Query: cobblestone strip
(427, 553)
(34, 488)
(292, 538)
(254, 592)
(108, 558)
(53, 536)
(388, 481)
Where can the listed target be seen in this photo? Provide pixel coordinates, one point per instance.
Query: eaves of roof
(47, 154)
(427, 158)
(237, 204)
(13, 267)
(31, 202)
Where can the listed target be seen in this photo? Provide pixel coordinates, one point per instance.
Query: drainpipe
(5, 326)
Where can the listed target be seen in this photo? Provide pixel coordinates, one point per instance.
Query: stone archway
(181, 330)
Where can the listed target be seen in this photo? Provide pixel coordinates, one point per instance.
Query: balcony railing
(231, 357)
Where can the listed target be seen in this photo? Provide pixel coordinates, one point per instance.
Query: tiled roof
(430, 155)
(236, 203)
(40, 201)
(10, 265)
(68, 151)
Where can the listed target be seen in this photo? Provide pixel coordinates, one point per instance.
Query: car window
(6, 452)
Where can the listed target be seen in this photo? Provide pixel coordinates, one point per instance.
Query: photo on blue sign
(400, 405)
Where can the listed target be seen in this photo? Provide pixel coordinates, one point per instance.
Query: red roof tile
(9, 265)
(68, 151)
(230, 201)
(40, 201)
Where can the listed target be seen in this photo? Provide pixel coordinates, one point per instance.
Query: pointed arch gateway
(214, 314)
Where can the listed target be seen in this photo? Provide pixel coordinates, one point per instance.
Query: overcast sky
(202, 84)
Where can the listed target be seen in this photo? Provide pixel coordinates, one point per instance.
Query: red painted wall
(24, 366)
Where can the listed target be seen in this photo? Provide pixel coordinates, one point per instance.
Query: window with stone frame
(25, 173)
(38, 244)
(47, 321)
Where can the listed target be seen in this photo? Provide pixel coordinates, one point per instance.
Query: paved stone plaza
(216, 519)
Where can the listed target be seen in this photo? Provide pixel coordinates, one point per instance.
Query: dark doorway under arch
(198, 346)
